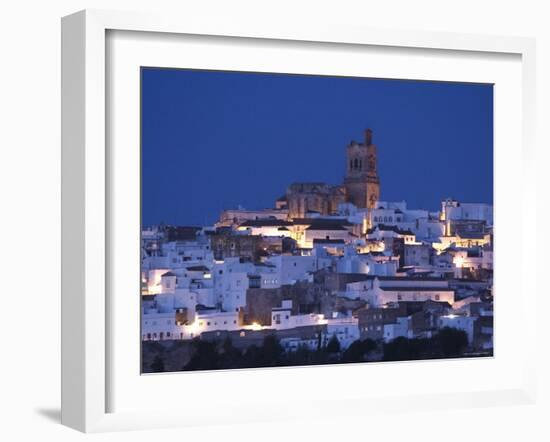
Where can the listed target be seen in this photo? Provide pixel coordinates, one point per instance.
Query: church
(361, 185)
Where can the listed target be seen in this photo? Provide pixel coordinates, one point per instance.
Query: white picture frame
(85, 201)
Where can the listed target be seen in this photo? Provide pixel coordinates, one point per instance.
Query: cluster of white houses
(259, 275)
(356, 268)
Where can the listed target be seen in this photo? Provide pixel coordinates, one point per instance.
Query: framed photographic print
(320, 215)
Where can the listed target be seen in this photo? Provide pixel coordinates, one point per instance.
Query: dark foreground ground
(171, 356)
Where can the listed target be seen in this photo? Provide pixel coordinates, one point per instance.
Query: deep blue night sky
(215, 140)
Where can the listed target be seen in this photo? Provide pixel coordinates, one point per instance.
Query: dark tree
(402, 349)
(272, 352)
(205, 356)
(333, 345)
(252, 356)
(302, 356)
(451, 341)
(357, 351)
(157, 366)
(231, 357)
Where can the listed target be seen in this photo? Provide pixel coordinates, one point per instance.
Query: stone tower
(361, 182)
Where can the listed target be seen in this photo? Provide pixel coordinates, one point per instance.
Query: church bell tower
(362, 182)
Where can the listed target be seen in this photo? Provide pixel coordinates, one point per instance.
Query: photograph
(304, 219)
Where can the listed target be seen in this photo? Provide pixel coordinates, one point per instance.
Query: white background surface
(29, 218)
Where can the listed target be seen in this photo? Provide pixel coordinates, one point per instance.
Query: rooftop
(267, 222)
(389, 228)
(200, 268)
(321, 221)
(416, 289)
(328, 241)
(326, 226)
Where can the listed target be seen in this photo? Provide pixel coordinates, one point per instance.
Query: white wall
(293, 268)
(398, 329)
(30, 183)
(382, 297)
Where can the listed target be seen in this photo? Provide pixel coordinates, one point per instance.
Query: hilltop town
(329, 274)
